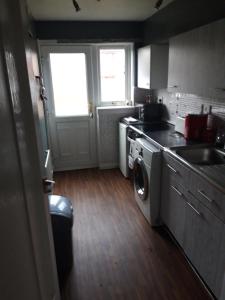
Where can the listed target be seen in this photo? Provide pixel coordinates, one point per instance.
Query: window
(114, 74)
(69, 81)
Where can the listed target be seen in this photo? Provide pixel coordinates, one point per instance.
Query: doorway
(68, 77)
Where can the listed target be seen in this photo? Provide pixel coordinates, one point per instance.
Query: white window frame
(95, 62)
(128, 47)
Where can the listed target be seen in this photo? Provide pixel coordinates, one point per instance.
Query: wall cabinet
(153, 67)
(197, 61)
(196, 227)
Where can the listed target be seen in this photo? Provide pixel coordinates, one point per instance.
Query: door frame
(23, 113)
(45, 48)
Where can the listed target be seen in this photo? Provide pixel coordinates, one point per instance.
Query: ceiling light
(158, 4)
(76, 5)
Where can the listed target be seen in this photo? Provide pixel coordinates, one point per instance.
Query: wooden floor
(117, 255)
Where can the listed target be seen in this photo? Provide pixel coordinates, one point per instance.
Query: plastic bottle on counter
(208, 135)
(210, 118)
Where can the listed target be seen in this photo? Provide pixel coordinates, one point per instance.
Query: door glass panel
(69, 80)
(112, 69)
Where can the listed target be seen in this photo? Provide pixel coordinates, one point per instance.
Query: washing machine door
(140, 178)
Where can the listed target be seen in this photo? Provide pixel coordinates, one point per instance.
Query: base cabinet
(197, 229)
(202, 242)
(173, 208)
(220, 278)
(222, 293)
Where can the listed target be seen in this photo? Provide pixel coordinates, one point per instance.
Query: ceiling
(93, 10)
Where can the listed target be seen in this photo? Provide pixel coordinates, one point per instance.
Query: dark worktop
(161, 135)
(164, 136)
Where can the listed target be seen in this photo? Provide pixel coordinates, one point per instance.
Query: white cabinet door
(203, 237)
(144, 57)
(196, 61)
(173, 205)
(68, 79)
(220, 278)
(153, 67)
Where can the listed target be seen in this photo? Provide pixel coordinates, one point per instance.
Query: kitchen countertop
(214, 174)
(162, 135)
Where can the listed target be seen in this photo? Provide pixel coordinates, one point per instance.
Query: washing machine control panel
(133, 134)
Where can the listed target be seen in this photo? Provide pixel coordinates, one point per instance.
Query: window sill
(114, 107)
(114, 110)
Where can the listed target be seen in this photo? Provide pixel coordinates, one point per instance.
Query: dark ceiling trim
(177, 17)
(180, 16)
(90, 31)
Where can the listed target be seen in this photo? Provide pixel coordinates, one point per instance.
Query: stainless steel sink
(202, 156)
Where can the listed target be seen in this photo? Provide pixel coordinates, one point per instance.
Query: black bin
(61, 212)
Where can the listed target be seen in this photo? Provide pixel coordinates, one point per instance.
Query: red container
(194, 126)
(208, 136)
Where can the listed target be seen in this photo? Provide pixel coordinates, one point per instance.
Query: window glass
(112, 75)
(69, 80)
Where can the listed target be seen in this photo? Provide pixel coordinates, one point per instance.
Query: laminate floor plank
(117, 255)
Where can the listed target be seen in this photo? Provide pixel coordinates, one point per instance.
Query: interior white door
(67, 72)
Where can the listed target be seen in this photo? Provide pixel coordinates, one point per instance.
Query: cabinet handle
(205, 196)
(172, 169)
(220, 89)
(172, 86)
(194, 209)
(177, 191)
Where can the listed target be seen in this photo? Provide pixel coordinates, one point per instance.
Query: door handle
(90, 108)
(48, 185)
(48, 181)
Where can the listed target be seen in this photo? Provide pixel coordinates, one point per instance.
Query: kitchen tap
(220, 138)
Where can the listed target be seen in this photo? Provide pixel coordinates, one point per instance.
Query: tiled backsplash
(141, 95)
(182, 104)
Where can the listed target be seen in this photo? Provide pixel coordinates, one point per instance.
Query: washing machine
(147, 173)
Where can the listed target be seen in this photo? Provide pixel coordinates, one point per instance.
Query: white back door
(67, 72)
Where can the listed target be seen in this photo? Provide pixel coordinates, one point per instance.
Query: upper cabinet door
(144, 67)
(153, 67)
(197, 61)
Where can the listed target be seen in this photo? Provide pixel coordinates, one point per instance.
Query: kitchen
(158, 234)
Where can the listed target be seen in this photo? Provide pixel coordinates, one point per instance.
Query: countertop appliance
(147, 170)
(194, 126)
(149, 112)
(180, 124)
